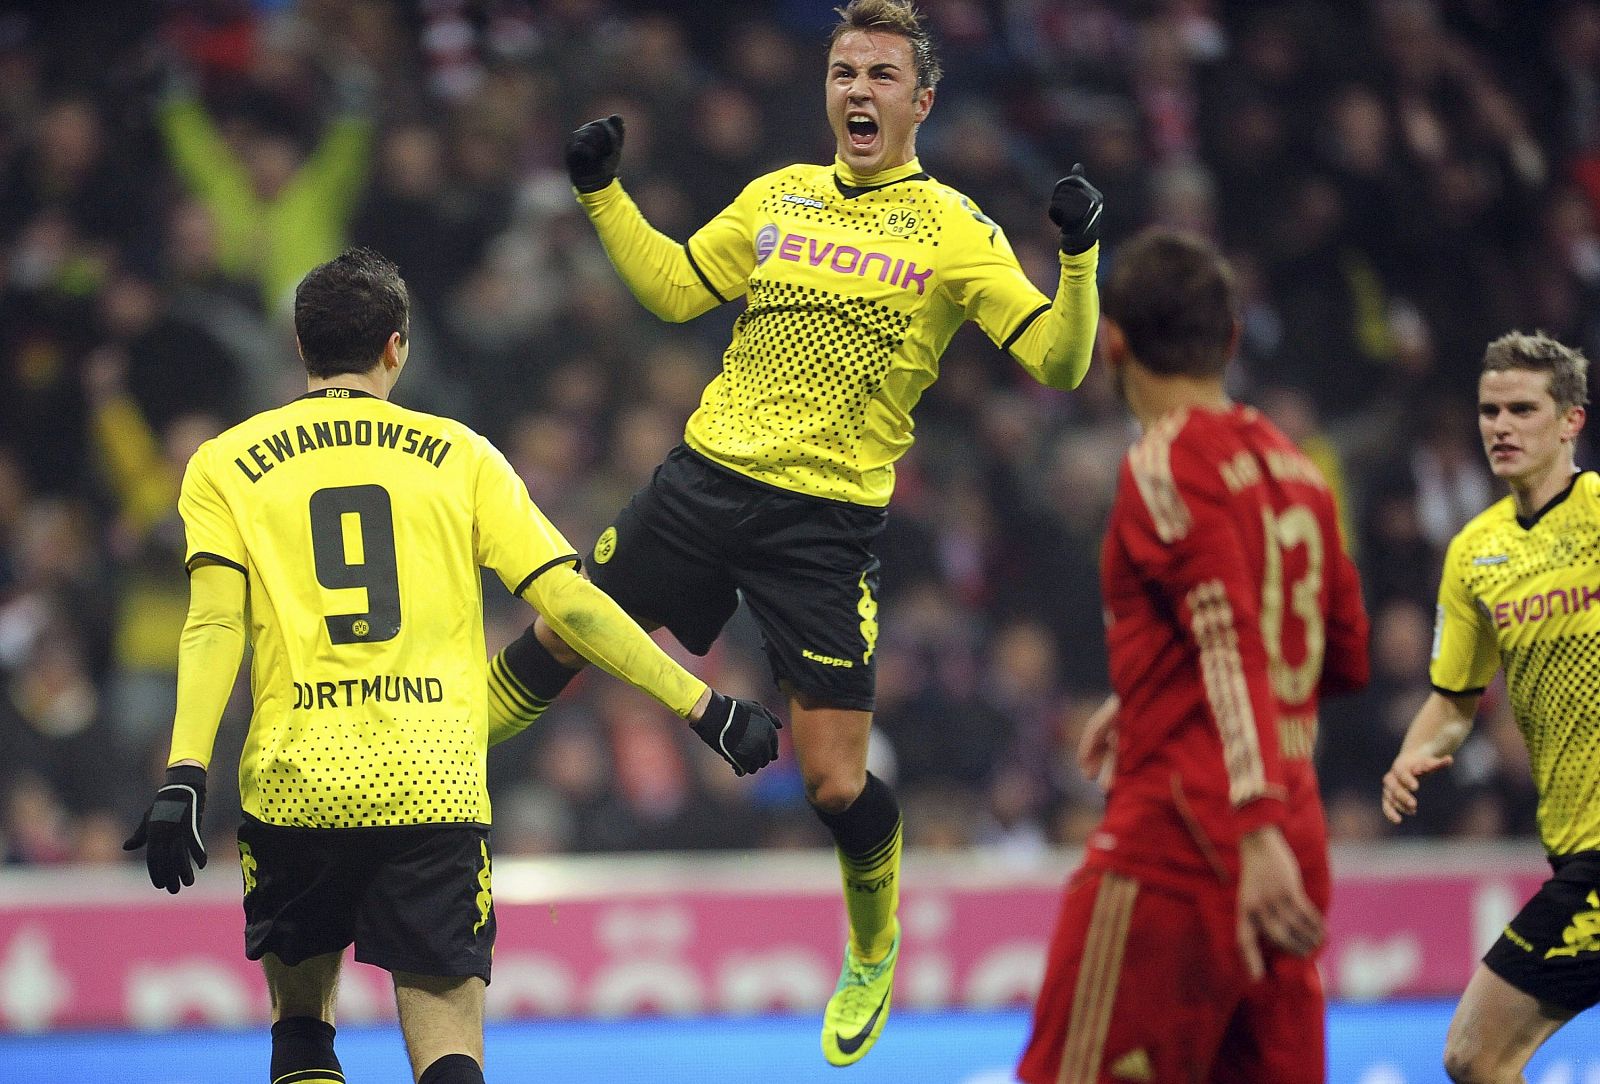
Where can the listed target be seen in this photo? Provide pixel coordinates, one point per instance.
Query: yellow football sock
(872, 896)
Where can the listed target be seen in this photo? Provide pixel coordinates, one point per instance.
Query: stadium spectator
(278, 210)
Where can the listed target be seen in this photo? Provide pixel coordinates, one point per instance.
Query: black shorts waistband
(1576, 862)
(683, 451)
(356, 831)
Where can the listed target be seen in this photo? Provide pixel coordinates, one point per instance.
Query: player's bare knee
(1468, 1065)
(835, 793)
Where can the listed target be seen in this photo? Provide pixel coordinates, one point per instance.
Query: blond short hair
(1539, 353)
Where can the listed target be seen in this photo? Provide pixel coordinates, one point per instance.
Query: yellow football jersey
(1525, 595)
(853, 291)
(361, 526)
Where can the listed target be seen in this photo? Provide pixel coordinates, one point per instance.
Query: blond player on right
(1521, 590)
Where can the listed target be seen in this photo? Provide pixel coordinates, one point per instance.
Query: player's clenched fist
(1075, 208)
(594, 152)
(742, 732)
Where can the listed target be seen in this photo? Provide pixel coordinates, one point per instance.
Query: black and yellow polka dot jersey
(360, 527)
(854, 287)
(1525, 594)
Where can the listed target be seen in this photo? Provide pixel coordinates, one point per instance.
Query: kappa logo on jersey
(804, 201)
(1492, 559)
(605, 546)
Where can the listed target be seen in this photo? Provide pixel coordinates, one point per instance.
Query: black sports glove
(594, 152)
(743, 732)
(171, 829)
(1075, 207)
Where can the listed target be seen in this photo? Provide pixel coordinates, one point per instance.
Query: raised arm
(1053, 339)
(664, 275)
(1056, 345)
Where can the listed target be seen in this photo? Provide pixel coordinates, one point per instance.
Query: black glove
(743, 732)
(594, 152)
(1075, 207)
(171, 828)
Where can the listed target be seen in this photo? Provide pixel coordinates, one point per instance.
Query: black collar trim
(1527, 523)
(335, 393)
(851, 191)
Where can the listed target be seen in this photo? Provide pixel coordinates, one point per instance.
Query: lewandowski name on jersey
(287, 443)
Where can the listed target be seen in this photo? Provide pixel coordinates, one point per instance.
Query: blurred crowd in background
(1396, 182)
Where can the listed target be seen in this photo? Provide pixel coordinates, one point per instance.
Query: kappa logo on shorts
(868, 609)
(1584, 933)
(485, 900)
(247, 865)
(605, 546)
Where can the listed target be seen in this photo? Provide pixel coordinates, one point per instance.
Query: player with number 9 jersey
(354, 520)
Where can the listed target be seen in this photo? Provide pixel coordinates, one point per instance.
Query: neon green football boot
(859, 1006)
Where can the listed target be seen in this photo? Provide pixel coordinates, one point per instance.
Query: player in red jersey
(1185, 946)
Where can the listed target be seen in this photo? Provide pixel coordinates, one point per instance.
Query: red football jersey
(1231, 605)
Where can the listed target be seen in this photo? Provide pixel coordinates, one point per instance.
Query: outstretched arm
(593, 625)
(743, 732)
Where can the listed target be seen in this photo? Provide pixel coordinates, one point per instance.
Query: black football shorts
(1551, 950)
(699, 535)
(413, 898)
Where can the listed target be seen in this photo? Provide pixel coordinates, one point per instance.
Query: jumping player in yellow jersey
(1521, 591)
(347, 534)
(855, 276)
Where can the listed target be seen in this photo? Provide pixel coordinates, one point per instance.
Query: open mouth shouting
(862, 130)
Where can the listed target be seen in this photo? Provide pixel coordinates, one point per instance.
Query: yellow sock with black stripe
(867, 838)
(524, 679)
(302, 1052)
